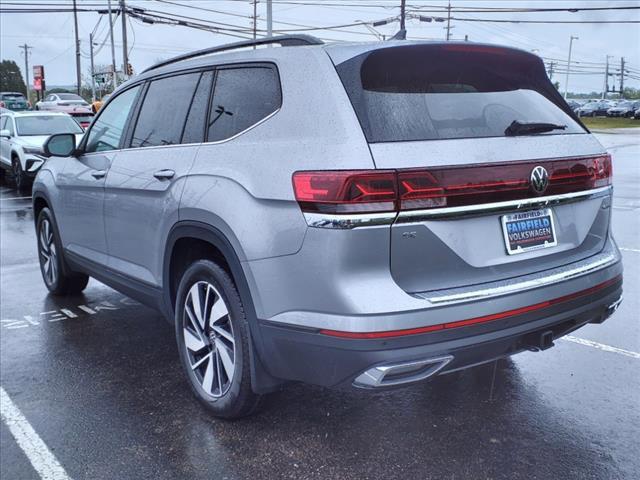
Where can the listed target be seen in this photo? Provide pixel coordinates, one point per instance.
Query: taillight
(478, 184)
(440, 187)
(1, 104)
(365, 191)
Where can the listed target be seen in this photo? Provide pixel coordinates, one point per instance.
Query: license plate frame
(534, 235)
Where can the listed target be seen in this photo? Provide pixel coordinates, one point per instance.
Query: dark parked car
(14, 101)
(593, 109)
(623, 109)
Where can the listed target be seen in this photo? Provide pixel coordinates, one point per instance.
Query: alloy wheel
(209, 338)
(48, 253)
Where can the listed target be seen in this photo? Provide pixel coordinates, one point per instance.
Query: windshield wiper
(531, 128)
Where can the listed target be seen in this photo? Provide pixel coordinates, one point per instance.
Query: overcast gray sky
(51, 34)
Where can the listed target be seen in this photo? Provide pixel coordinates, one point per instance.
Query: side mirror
(5, 134)
(60, 145)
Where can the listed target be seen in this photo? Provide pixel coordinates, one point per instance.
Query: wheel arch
(205, 241)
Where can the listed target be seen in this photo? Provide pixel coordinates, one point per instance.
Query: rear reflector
(369, 191)
(476, 320)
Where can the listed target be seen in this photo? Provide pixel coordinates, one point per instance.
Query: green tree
(11, 78)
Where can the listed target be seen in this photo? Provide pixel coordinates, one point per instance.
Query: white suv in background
(21, 137)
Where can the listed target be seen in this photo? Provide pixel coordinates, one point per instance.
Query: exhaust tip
(392, 374)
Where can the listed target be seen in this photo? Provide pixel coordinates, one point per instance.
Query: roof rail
(283, 40)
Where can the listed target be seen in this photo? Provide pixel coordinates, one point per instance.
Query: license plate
(525, 231)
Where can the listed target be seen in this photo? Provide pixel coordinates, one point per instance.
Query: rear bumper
(306, 354)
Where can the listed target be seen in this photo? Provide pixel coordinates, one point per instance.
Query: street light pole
(566, 78)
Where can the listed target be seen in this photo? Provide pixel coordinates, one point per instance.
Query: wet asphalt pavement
(97, 376)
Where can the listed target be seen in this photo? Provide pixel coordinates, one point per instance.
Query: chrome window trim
(541, 279)
(349, 221)
(356, 220)
(251, 127)
(415, 216)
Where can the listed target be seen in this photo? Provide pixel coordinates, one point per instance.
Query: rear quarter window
(429, 92)
(242, 97)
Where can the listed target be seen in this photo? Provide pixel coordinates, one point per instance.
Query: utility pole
(75, 23)
(551, 65)
(449, 21)
(403, 13)
(621, 77)
(26, 49)
(605, 87)
(93, 79)
(566, 79)
(269, 18)
(255, 19)
(125, 54)
(113, 51)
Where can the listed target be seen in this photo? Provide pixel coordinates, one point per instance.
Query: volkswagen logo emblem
(539, 179)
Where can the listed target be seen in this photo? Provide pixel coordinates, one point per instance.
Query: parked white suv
(21, 137)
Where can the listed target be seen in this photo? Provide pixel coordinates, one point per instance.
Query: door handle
(98, 174)
(164, 174)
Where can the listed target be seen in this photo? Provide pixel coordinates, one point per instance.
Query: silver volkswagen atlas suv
(360, 215)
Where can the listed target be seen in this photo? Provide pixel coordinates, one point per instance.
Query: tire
(19, 178)
(56, 276)
(214, 347)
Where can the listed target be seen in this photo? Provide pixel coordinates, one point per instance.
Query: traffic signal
(129, 69)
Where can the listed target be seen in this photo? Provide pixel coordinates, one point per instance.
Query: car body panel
(130, 189)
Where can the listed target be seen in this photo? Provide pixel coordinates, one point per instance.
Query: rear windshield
(70, 96)
(12, 96)
(429, 92)
(46, 125)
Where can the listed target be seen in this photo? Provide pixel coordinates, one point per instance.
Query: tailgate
(496, 176)
(452, 246)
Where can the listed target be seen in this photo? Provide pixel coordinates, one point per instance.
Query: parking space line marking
(601, 346)
(14, 198)
(41, 458)
(637, 250)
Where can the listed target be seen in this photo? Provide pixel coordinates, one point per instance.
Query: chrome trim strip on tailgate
(528, 282)
(355, 220)
(349, 221)
(413, 216)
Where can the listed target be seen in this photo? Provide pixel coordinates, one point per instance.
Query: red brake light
(346, 191)
(1, 104)
(369, 191)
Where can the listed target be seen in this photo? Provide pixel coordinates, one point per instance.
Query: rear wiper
(526, 128)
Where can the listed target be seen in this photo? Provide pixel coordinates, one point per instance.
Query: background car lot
(97, 378)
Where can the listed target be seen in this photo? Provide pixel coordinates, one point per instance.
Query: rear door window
(429, 92)
(164, 111)
(242, 97)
